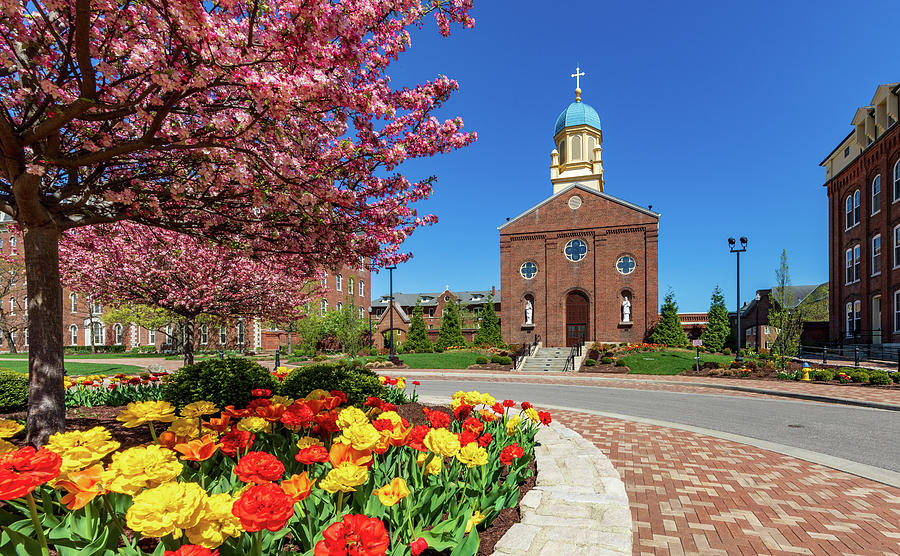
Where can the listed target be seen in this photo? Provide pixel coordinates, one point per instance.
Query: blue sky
(716, 113)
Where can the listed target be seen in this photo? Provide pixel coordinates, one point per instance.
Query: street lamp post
(737, 251)
(757, 322)
(391, 269)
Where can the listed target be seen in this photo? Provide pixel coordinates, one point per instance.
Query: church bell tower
(578, 139)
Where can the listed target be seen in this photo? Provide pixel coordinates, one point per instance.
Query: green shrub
(879, 377)
(13, 390)
(373, 352)
(606, 360)
(221, 381)
(320, 357)
(496, 359)
(895, 376)
(727, 351)
(824, 375)
(505, 360)
(357, 382)
(438, 349)
(859, 376)
(589, 362)
(481, 360)
(620, 362)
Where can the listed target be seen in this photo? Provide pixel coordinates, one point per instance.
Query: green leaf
(13, 543)
(469, 547)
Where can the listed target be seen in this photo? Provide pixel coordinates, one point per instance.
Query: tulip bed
(280, 476)
(119, 389)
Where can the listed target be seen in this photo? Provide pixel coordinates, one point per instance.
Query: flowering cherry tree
(265, 125)
(189, 277)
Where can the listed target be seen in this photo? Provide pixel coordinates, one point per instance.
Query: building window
(748, 331)
(857, 316)
(168, 340)
(849, 265)
(361, 313)
(204, 334)
(362, 286)
(528, 270)
(240, 334)
(73, 334)
(562, 151)
(12, 244)
(590, 145)
(897, 181)
(848, 322)
(97, 334)
(324, 306)
(151, 337)
(856, 207)
(73, 299)
(324, 278)
(337, 282)
(223, 335)
(766, 329)
(876, 255)
(350, 285)
(340, 305)
(848, 210)
(856, 263)
(846, 152)
(897, 311)
(576, 250)
(876, 194)
(117, 334)
(576, 147)
(96, 307)
(625, 265)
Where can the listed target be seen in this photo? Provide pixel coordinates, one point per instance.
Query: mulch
(84, 418)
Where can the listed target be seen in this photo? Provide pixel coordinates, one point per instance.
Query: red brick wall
(878, 158)
(610, 229)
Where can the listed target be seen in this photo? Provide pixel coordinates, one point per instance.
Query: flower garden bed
(309, 476)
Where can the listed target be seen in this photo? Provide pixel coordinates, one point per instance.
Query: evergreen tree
(489, 333)
(451, 332)
(668, 330)
(417, 340)
(716, 331)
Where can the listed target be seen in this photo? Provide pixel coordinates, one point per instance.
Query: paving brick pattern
(694, 494)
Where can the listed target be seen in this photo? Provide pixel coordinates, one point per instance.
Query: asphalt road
(867, 436)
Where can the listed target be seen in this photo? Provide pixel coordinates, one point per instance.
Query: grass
(446, 360)
(79, 368)
(24, 355)
(669, 362)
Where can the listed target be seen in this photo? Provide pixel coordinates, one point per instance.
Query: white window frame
(857, 315)
(73, 300)
(324, 278)
(73, 334)
(897, 246)
(324, 306)
(848, 212)
(848, 320)
(856, 210)
(350, 283)
(361, 313)
(223, 335)
(204, 334)
(97, 334)
(151, 337)
(896, 310)
(339, 306)
(876, 194)
(117, 334)
(338, 282)
(857, 255)
(897, 181)
(241, 336)
(767, 330)
(848, 266)
(169, 340)
(876, 255)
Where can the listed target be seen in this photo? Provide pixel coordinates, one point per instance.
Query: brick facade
(611, 228)
(870, 290)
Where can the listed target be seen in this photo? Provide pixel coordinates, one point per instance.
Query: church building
(581, 264)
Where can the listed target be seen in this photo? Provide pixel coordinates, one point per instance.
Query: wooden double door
(577, 318)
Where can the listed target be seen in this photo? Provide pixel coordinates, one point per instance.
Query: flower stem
(152, 432)
(38, 529)
(340, 504)
(256, 550)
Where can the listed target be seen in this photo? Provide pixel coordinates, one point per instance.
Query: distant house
(810, 300)
(471, 303)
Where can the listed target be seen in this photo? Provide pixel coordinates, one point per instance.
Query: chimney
(493, 290)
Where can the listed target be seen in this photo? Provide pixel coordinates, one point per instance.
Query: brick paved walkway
(694, 494)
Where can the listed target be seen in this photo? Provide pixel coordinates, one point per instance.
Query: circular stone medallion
(574, 202)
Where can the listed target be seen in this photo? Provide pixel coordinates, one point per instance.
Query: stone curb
(578, 505)
(574, 376)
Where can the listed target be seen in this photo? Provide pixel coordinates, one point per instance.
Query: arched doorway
(577, 313)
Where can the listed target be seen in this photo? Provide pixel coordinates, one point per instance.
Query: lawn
(24, 355)
(668, 362)
(446, 360)
(78, 368)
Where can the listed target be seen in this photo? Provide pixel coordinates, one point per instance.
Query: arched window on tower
(562, 151)
(576, 147)
(591, 143)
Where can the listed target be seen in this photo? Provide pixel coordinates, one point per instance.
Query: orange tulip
(168, 439)
(297, 487)
(343, 453)
(218, 424)
(81, 487)
(270, 413)
(198, 449)
(392, 492)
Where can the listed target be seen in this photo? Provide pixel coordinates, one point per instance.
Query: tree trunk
(46, 394)
(188, 341)
(10, 341)
(290, 349)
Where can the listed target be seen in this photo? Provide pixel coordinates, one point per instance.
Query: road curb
(764, 391)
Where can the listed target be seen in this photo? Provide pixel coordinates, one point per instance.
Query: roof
(799, 294)
(586, 189)
(577, 113)
(427, 299)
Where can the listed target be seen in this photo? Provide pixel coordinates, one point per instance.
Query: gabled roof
(586, 189)
(400, 312)
(428, 299)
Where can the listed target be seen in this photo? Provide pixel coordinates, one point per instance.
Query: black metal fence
(856, 353)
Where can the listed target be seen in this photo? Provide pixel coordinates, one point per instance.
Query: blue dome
(577, 113)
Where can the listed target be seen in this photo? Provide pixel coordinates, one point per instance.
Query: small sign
(697, 343)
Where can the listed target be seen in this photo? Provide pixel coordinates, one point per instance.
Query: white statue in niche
(529, 311)
(626, 310)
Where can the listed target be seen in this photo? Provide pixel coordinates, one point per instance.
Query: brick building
(810, 300)
(471, 302)
(862, 179)
(581, 263)
(83, 317)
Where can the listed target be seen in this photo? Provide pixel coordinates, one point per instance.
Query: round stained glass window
(528, 270)
(625, 265)
(576, 250)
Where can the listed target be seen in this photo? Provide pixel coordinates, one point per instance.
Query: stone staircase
(547, 359)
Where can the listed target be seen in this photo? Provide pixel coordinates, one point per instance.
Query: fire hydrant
(805, 370)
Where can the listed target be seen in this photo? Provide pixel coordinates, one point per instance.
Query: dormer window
(846, 152)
